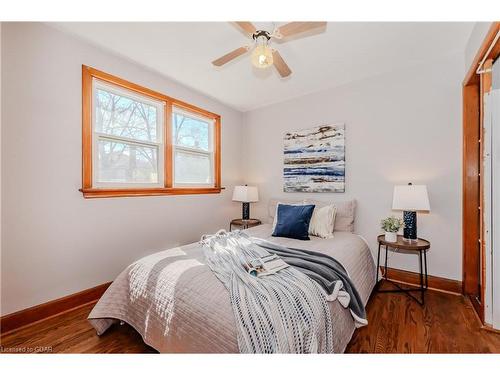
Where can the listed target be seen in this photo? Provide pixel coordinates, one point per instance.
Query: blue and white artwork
(314, 160)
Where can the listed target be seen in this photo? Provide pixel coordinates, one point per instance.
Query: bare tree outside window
(120, 116)
(193, 156)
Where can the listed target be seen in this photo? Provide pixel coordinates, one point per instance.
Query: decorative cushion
(293, 221)
(322, 221)
(290, 203)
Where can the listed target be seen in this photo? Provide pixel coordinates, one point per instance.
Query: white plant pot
(391, 236)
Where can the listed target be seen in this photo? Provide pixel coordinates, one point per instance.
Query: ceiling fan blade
(281, 65)
(230, 56)
(293, 28)
(247, 26)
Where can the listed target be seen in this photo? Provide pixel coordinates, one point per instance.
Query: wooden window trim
(89, 191)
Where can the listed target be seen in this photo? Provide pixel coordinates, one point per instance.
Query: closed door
(491, 185)
(494, 105)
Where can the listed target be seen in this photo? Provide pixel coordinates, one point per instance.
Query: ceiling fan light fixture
(262, 55)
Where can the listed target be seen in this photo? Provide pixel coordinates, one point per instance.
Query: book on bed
(264, 266)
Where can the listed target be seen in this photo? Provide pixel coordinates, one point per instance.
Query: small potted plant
(391, 225)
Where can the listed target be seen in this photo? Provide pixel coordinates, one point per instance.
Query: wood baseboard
(49, 309)
(412, 278)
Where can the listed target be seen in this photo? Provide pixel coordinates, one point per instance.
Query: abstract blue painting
(314, 160)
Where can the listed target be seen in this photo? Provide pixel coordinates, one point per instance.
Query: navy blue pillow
(293, 221)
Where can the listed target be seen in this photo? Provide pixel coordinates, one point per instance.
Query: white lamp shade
(410, 198)
(246, 194)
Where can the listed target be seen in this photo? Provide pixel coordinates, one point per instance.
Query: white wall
(400, 127)
(54, 242)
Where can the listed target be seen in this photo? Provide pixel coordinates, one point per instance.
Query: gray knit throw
(285, 312)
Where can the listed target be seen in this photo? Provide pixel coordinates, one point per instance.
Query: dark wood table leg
(421, 277)
(385, 267)
(378, 267)
(425, 264)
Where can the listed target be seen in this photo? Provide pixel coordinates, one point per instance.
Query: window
(140, 142)
(128, 143)
(193, 149)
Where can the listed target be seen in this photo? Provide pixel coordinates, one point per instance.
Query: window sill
(124, 192)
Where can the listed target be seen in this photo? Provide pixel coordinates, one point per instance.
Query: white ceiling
(341, 53)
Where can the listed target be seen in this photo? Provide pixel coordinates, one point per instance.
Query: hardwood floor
(445, 324)
(71, 333)
(397, 324)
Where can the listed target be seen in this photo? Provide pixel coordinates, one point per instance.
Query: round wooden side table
(420, 247)
(244, 223)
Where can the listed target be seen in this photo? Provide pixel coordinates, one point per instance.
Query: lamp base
(410, 229)
(246, 211)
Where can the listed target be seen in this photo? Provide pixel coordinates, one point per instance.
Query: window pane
(120, 162)
(190, 132)
(191, 168)
(125, 117)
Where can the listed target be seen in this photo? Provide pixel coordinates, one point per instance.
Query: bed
(178, 305)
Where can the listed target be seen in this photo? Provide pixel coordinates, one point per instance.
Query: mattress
(178, 305)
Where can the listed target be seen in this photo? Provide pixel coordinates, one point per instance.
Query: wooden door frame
(474, 87)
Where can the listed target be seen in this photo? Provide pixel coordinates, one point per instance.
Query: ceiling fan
(263, 56)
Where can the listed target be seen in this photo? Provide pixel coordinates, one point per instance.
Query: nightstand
(420, 247)
(244, 224)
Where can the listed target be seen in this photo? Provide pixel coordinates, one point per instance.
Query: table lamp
(410, 199)
(246, 195)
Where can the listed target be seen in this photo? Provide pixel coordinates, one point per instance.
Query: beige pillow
(344, 217)
(323, 221)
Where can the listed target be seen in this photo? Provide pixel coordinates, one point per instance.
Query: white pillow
(323, 221)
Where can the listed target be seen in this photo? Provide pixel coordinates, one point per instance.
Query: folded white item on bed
(285, 312)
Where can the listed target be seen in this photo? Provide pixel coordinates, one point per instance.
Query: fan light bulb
(262, 56)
